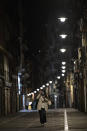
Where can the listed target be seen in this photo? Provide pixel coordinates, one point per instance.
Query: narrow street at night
(29, 121)
(43, 65)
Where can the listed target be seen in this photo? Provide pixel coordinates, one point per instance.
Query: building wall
(84, 46)
(8, 60)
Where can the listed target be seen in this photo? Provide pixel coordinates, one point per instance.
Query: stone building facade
(8, 65)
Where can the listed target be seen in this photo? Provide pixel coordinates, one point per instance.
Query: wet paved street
(77, 121)
(56, 121)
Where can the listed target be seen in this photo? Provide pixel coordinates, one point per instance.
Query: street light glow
(63, 36)
(63, 67)
(58, 77)
(63, 75)
(62, 19)
(63, 63)
(74, 62)
(50, 82)
(38, 89)
(35, 92)
(63, 71)
(47, 84)
(41, 88)
(63, 50)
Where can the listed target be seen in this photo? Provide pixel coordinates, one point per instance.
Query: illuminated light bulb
(43, 86)
(58, 77)
(63, 50)
(35, 91)
(62, 19)
(63, 36)
(47, 84)
(63, 63)
(74, 62)
(38, 89)
(50, 82)
(63, 67)
(63, 75)
(63, 71)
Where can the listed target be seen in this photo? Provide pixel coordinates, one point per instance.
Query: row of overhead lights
(63, 70)
(63, 36)
(42, 87)
(50, 82)
(63, 19)
(47, 84)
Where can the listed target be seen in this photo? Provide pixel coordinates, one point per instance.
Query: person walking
(42, 106)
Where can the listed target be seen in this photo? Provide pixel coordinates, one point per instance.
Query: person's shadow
(38, 126)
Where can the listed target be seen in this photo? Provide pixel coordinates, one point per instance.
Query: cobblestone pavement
(29, 121)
